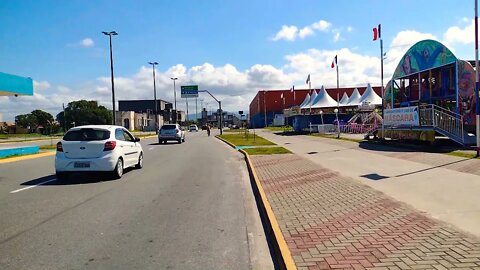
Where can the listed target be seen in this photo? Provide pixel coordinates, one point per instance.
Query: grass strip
(242, 140)
(266, 150)
(284, 128)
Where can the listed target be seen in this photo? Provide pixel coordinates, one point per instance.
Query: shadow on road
(74, 179)
(164, 144)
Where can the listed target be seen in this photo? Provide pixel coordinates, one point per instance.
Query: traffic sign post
(189, 91)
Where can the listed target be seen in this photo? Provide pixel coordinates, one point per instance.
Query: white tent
(305, 101)
(344, 100)
(370, 97)
(355, 98)
(312, 98)
(324, 100)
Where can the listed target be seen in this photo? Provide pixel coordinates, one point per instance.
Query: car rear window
(87, 134)
(169, 127)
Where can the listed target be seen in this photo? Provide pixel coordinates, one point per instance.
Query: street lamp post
(338, 123)
(155, 96)
(175, 99)
(110, 34)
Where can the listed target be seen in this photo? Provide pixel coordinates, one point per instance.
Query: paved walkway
(332, 221)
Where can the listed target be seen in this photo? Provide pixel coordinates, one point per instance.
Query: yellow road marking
(19, 158)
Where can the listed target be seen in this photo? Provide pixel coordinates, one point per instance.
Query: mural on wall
(466, 97)
(424, 55)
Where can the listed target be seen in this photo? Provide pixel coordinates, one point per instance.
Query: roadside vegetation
(261, 146)
(242, 139)
(284, 128)
(266, 150)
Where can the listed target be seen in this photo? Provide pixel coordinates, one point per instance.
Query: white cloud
(86, 42)
(336, 36)
(456, 34)
(287, 33)
(305, 32)
(349, 29)
(40, 86)
(321, 25)
(292, 32)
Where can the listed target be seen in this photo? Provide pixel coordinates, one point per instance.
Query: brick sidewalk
(459, 164)
(333, 222)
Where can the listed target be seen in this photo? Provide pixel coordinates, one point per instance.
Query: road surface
(190, 207)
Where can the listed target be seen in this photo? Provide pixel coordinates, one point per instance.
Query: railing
(351, 128)
(438, 117)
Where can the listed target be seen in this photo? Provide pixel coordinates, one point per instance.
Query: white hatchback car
(97, 148)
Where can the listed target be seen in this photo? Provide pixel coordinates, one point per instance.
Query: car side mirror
(137, 139)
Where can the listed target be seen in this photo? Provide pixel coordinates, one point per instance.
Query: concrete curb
(286, 260)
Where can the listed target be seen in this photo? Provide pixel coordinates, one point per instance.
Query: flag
(377, 32)
(292, 89)
(281, 96)
(334, 62)
(308, 79)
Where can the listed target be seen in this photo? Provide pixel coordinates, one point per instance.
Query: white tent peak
(344, 100)
(369, 96)
(355, 98)
(323, 100)
(305, 101)
(311, 100)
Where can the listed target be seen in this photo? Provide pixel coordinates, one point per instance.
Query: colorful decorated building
(431, 92)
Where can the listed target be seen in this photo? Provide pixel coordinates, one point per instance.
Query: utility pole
(175, 99)
(155, 96)
(196, 109)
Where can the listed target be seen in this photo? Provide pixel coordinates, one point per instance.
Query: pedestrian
(208, 130)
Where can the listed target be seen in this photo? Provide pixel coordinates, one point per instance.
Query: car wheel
(183, 139)
(140, 162)
(118, 171)
(61, 176)
(160, 141)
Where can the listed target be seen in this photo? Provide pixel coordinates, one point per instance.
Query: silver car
(171, 132)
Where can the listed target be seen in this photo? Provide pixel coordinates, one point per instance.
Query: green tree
(84, 112)
(42, 118)
(26, 121)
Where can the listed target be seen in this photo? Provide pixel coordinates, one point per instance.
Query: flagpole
(310, 90)
(338, 106)
(381, 76)
(477, 105)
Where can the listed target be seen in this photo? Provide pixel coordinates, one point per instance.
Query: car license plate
(79, 164)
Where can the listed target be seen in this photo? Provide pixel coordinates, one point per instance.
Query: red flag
(377, 32)
(334, 62)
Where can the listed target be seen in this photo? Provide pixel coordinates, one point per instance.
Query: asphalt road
(190, 207)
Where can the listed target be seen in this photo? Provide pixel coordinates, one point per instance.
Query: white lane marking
(29, 187)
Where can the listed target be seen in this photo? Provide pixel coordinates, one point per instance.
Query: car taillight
(178, 130)
(59, 147)
(110, 145)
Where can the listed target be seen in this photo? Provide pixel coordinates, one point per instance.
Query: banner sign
(189, 91)
(397, 117)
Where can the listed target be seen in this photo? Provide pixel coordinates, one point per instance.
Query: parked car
(171, 132)
(193, 128)
(97, 148)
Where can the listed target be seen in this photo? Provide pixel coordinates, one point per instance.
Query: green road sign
(189, 91)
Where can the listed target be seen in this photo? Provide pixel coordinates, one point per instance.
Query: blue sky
(228, 47)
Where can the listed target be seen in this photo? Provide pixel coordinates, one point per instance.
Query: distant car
(97, 148)
(171, 132)
(193, 128)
